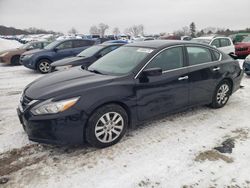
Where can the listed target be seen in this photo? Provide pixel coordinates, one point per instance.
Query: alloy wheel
(223, 94)
(109, 127)
(44, 67)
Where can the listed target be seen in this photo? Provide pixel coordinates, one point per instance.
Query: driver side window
(168, 59)
(216, 43)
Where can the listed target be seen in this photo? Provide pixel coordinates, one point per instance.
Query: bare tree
(94, 30)
(102, 29)
(72, 31)
(135, 30)
(116, 31)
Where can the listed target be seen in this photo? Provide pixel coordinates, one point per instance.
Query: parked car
(12, 56)
(242, 49)
(238, 37)
(246, 65)
(40, 60)
(225, 44)
(86, 57)
(130, 85)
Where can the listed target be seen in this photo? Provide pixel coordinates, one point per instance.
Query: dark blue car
(40, 60)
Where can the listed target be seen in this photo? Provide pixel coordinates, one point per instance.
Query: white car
(225, 44)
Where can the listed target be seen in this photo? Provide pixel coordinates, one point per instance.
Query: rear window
(198, 55)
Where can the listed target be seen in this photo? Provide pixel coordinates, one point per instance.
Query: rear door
(165, 93)
(204, 70)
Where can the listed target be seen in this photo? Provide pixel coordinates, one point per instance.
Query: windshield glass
(90, 51)
(52, 45)
(120, 61)
(26, 46)
(247, 39)
(205, 41)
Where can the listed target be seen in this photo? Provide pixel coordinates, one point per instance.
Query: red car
(242, 49)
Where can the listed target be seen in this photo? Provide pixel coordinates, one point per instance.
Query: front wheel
(106, 126)
(222, 94)
(43, 66)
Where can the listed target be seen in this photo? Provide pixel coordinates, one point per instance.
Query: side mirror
(152, 72)
(214, 46)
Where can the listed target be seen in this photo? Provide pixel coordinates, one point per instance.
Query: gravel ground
(176, 151)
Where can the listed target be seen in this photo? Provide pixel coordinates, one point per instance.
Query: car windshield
(205, 41)
(52, 45)
(90, 51)
(247, 39)
(120, 61)
(26, 46)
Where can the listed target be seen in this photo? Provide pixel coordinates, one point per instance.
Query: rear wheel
(15, 60)
(222, 94)
(43, 66)
(106, 126)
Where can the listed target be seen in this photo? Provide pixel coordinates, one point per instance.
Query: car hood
(242, 44)
(69, 61)
(14, 51)
(69, 82)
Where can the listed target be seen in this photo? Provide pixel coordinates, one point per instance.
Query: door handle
(183, 78)
(216, 68)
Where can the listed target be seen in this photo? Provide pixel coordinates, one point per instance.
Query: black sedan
(86, 57)
(128, 86)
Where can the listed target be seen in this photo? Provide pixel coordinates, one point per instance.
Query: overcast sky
(156, 15)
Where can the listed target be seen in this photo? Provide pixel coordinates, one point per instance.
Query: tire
(15, 60)
(101, 132)
(43, 66)
(221, 94)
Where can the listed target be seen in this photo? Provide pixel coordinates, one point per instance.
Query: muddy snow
(176, 151)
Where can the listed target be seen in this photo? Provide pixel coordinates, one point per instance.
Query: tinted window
(216, 43)
(82, 43)
(225, 42)
(107, 50)
(169, 59)
(198, 55)
(65, 45)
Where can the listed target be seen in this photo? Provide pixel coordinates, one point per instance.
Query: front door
(165, 93)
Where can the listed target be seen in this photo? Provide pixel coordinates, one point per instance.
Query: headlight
(248, 58)
(28, 56)
(50, 107)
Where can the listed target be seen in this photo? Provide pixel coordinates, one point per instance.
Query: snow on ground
(8, 44)
(176, 151)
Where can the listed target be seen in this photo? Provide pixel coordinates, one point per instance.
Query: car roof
(162, 43)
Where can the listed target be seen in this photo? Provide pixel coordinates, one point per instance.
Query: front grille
(242, 49)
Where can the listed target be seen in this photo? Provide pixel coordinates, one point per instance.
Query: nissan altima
(131, 85)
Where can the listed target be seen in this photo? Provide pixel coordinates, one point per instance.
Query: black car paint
(142, 99)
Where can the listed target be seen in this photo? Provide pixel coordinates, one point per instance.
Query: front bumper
(61, 130)
(27, 62)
